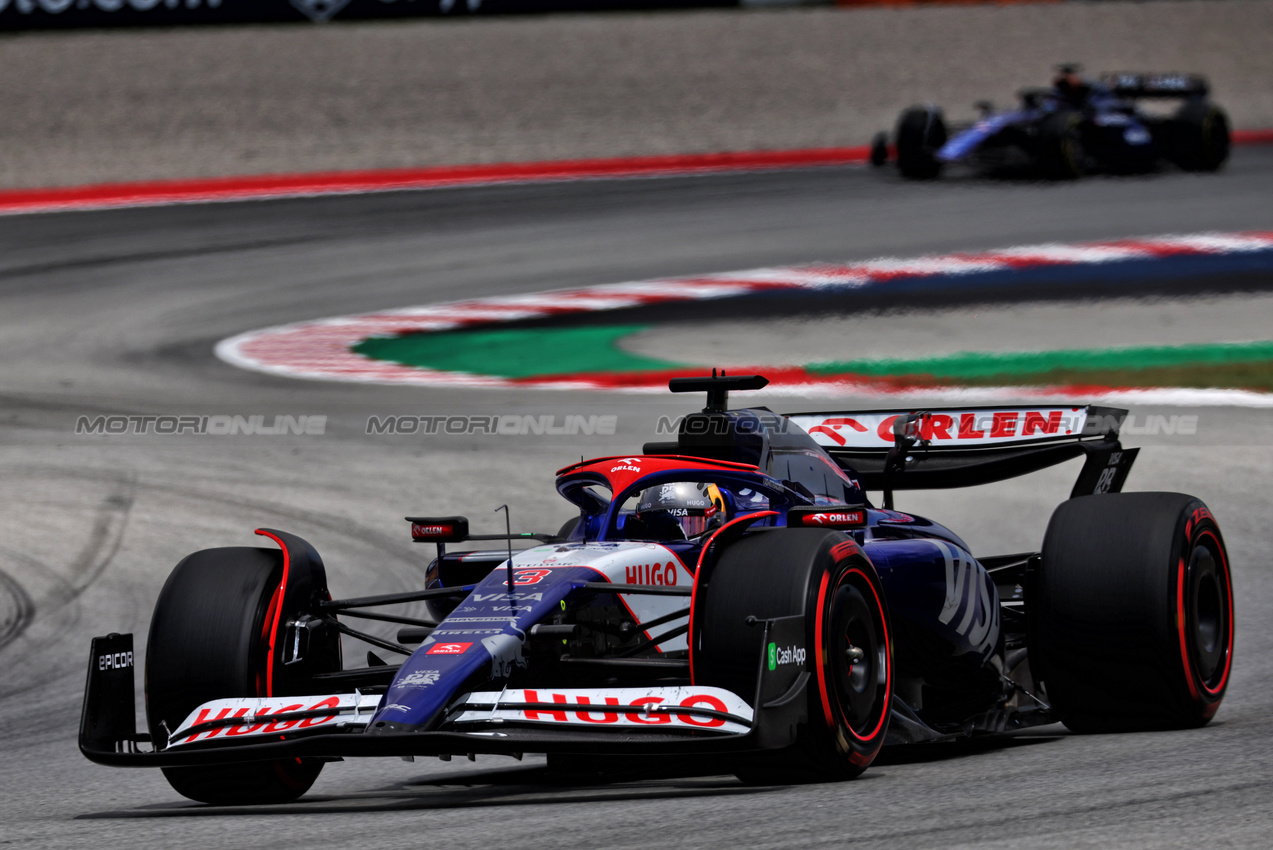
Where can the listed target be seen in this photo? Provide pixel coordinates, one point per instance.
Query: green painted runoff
(515, 352)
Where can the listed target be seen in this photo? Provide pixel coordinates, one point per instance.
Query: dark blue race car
(1076, 127)
(731, 594)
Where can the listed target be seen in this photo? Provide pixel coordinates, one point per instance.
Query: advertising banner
(39, 14)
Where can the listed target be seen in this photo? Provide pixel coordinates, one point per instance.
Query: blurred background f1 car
(1077, 126)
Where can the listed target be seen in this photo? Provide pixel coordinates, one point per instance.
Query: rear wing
(1126, 84)
(963, 447)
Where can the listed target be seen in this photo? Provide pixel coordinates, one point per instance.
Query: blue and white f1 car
(731, 594)
(1077, 126)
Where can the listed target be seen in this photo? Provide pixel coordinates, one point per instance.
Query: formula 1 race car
(1077, 126)
(730, 594)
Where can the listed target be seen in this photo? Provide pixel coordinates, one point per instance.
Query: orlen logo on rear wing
(954, 428)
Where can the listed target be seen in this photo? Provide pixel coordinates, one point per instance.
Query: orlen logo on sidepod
(833, 519)
(826, 517)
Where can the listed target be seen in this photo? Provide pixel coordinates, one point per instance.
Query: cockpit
(684, 510)
(723, 465)
(671, 505)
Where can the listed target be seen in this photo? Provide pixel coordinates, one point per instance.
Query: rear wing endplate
(964, 447)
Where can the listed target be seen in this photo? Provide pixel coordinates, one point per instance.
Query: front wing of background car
(654, 719)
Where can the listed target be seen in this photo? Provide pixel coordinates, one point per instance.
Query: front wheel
(1130, 613)
(921, 133)
(209, 639)
(826, 578)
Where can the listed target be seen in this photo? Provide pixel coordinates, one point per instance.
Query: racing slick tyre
(921, 132)
(827, 578)
(879, 150)
(1202, 138)
(1130, 614)
(209, 639)
(1060, 152)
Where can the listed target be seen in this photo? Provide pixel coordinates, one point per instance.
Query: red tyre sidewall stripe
(276, 601)
(1228, 638)
(278, 612)
(821, 653)
(1228, 590)
(888, 666)
(1181, 629)
(1207, 697)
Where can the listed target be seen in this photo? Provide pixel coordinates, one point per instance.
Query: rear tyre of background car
(921, 133)
(1201, 136)
(828, 579)
(1130, 613)
(209, 639)
(879, 150)
(1060, 152)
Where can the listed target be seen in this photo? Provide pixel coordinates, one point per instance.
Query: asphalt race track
(117, 313)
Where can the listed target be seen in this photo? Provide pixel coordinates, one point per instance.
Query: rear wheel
(1131, 613)
(209, 639)
(826, 578)
(921, 132)
(1202, 138)
(879, 150)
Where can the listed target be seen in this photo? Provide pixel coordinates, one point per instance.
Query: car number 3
(528, 576)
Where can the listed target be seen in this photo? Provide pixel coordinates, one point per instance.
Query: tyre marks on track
(45, 603)
(64, 586)
(50, 588)
(103, 541)
(17, 610)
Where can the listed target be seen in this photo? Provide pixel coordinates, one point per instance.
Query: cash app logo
(773, 656)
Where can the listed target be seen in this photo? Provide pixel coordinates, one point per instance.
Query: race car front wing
(648, 721)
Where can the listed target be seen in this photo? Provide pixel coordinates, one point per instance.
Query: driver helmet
(681, 508)
(1071, 86)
